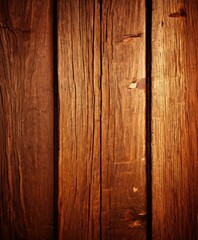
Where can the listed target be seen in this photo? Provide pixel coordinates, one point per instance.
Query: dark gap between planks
(56, 115)
(101, 2)
(148, 115)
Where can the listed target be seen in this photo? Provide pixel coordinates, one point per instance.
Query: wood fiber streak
(123, 120)
(175, 119)
(79, 119)
(26, 120)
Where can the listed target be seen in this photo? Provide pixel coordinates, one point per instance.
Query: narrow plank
(79, 119)
(123, 120)
(26, 120)
(175, 119)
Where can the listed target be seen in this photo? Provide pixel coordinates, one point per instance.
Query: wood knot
(139, 84)
(180, 13)
(135, 189)
(135, 224)
(129, 37)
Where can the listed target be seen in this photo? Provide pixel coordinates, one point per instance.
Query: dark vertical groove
(101, 53)
(56, 115)
(149, 115)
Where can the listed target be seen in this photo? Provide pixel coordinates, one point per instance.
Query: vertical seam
(56, 114)
(101, 109)
(149, 115)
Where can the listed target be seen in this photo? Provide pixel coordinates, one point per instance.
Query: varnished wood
(175, 119)
(79, 119)
(101, 97)
(123, 120)
(26, 120)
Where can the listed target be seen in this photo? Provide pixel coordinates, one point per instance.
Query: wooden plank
(175, 119)
(123, 120)
(79, 119)
(26, 120)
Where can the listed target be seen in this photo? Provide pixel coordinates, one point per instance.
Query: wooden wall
(98, 119)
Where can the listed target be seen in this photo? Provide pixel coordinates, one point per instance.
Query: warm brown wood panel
(123, 120)
(79, 119)
(175, 119)
(26, 120)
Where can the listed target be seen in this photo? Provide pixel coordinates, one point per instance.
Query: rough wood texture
(123, 120)
(26, 120)
(175, 119)
(79, 119)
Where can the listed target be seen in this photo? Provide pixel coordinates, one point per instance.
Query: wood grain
(26, 120)
(79, 119)
(123, 120)
(175, 119)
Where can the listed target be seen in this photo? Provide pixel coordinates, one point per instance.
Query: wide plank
(79, 119)
(26, 120)
(175, 119)
(124, 210)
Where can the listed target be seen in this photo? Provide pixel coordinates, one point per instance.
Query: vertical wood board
(175, 119)
(79, 119)
(26, 120)
(123, 120)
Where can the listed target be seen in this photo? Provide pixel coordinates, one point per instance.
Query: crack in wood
(129, 37)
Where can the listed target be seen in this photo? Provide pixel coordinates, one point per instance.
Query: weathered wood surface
(79, 119)
(101, 94)
(175, 119)
(26, 120)
(123, 120)
(122, 106)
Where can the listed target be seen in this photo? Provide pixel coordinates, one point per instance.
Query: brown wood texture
(26, 120)
(175, 119)
(79, 119)
(120, 34)
(123, 120)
